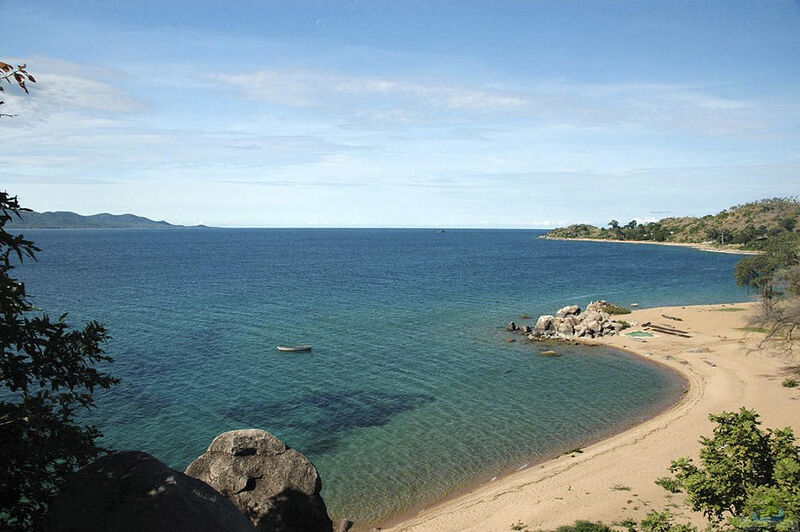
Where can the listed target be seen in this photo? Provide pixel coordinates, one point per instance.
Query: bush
(615, 310)
(669, 484)
(663, 522)
(743, 467)
(584, 526)
(790, 383)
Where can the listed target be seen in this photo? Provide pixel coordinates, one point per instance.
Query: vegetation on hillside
(750, 226)
(48, 371)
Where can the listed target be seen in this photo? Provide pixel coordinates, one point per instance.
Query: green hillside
(747, 226)
(71, 220)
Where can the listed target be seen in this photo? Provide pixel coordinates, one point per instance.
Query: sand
(614, 478)
(702, 247)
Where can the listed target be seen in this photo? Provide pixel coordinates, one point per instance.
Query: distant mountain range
(71, 220)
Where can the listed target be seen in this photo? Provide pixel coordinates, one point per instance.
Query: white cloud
(310, 89)
(391, 102)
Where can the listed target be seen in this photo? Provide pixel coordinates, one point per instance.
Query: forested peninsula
(746, 226)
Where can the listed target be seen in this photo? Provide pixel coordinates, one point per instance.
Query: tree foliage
(48, 372)
(743, 470)
(774, 269)
(18, 75)
(776, 275)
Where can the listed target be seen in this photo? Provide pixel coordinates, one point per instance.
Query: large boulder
(544, 323)
(131, 491)
(274, 485)
(565, 329)
(569, 310)
(592, 326)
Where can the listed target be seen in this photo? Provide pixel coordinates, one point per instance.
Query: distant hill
(71, 220)
(745, 226)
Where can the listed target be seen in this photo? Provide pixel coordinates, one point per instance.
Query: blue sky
(403, 113)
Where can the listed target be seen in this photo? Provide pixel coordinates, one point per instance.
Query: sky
(519, 114)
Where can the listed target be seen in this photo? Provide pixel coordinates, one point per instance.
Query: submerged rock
(131, 491)
(275, 486)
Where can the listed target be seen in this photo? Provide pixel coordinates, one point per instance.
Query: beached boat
(294, 347)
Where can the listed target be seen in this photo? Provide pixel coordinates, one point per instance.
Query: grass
(753, 329)
(790, 383)
(730, 309)
(625, 324)
(519, 525)
(620, 487)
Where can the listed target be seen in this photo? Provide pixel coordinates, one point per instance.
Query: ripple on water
(410, 392)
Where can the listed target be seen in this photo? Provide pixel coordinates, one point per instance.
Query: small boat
(294, 348)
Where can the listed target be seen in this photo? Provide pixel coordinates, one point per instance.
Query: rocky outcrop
(570, 323)
(275, 486)
(133, 491)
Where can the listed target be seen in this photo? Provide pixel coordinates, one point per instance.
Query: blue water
(410, 392)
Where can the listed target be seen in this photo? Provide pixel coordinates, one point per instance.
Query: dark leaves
(49, 371)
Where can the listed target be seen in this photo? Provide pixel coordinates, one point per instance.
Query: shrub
(670, 484)
(743, 467)
(613, 309)
(584, 526)
(790, 383)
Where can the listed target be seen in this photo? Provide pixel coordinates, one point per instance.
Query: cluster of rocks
(570, 323)
(248, 480)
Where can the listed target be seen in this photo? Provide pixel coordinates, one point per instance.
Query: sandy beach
(701, 247)
(614, 478)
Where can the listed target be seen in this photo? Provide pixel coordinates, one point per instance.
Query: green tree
(743, 468)
(48, 372)
(780, 253)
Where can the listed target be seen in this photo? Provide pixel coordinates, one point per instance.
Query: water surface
(410, 391)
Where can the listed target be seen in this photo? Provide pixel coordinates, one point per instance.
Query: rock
(512, 326)
(593, 326)
(132, 491)
(565, 328)
(617, 326)
(549, 353)
(275, 486)
(526, 329)
(544, 323)
(591, 315)
(569, 310)
(342, 525)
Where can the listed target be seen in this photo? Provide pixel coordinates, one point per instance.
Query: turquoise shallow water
(410, 392)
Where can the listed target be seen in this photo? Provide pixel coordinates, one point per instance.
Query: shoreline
(724, 375)
(399, 520)
(693, 245)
